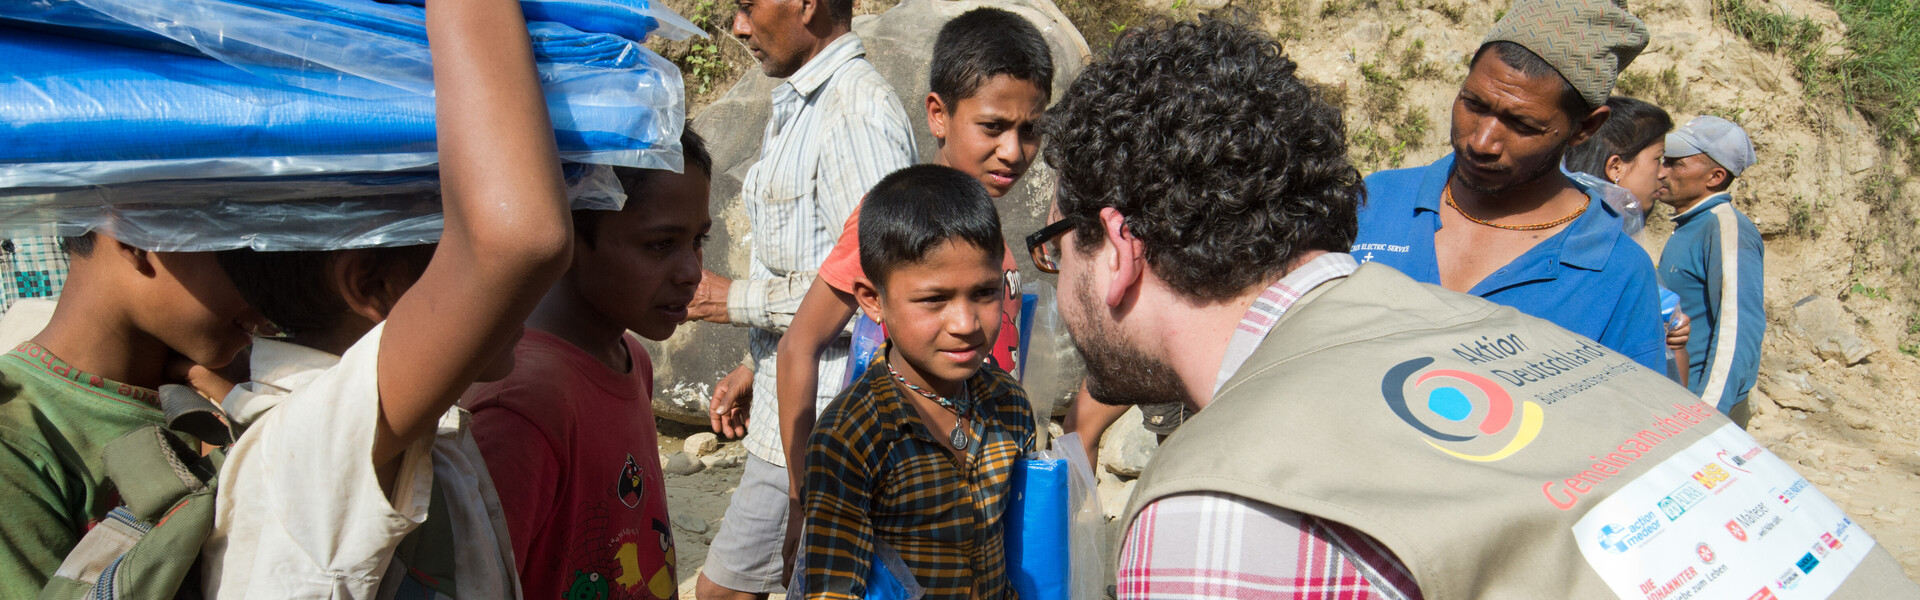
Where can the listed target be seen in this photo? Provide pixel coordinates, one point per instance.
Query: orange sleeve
(842, 266)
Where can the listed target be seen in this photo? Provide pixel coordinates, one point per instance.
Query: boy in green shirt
(89, 378)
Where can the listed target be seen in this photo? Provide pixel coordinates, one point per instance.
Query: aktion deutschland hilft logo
(1457, 396)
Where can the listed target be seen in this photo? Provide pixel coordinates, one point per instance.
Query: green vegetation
(1801, 220)
(1875, 71)
(1769, 31)
(1665, 88)
(702, 65)
(1382, 102)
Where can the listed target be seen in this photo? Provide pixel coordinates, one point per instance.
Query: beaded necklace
(1446, 194)
(959, 437)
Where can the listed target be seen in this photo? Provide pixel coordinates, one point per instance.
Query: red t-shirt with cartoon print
(573, 452)
(842, 267)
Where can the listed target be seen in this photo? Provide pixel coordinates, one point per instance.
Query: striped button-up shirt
(836, 129)
(875, 470)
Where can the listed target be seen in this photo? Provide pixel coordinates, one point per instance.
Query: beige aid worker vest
(1500, 456)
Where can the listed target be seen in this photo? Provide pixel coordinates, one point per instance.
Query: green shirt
(54, 422)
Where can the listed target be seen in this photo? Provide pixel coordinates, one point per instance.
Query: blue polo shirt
(1589, 278)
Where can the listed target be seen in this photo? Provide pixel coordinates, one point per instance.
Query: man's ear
(1128, 260)
(1590, 125)
(1719, 178)
(141, 260)
(868, 297)
(936, 116)
(810, 9)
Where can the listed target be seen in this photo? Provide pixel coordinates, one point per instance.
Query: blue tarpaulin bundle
(301, 86)
(228, 92)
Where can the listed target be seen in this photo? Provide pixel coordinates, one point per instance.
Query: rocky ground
(1837, 389)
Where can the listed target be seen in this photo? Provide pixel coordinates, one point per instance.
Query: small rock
(719, 461)
(702, 444)
(690, 524)
(1858, 419)
(1762, 403)
(1827, 324)
(1127, 446)
(681, 463)
(1810, 462)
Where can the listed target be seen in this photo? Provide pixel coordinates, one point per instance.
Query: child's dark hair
(915, 210)
(294, 290)
(1634, 126)
(634, 180)
(982, 43)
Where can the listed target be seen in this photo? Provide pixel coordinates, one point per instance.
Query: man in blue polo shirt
(1714, 261)
(1498, 218)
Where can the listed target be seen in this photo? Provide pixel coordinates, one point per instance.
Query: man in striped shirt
(1714, 261)
(835, 130)
(1185, 226)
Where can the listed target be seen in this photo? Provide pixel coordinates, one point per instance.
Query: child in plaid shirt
(917, 452)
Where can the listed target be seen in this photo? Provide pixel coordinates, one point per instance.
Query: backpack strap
(190, 413)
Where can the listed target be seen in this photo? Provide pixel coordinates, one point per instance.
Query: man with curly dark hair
(1497, 218)
(1357, 434)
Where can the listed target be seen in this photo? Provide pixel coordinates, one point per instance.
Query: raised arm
(507, 225)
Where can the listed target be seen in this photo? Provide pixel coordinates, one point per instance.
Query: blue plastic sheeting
(300, 87)
(81, 113)
(1038, 525)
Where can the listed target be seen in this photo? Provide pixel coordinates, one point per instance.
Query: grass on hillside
(1877, 72)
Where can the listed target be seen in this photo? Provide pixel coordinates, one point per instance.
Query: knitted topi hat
(1588, 41)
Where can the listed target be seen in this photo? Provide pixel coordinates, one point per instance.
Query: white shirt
(837, 128)
(299, 512)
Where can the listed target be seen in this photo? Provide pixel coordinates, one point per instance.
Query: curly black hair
(1225, 164)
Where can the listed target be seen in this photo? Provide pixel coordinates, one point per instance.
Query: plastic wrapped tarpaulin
(300, 87)
(1053, 525)
(326, 212)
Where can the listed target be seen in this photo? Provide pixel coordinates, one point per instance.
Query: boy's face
(642, 270)
(188, 303)
(942, 312)
(992, 135)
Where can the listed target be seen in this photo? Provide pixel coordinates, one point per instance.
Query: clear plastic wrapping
(281, 213)
(301, 87)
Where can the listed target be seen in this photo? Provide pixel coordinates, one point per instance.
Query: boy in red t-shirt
(569, 437)
(990, 80)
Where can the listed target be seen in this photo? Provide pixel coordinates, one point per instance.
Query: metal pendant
(959, 437)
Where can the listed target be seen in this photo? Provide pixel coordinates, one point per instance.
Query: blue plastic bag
(1052, 525)
(868, 335)
(888, 578)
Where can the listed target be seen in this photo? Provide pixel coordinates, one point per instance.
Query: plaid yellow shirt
(873, 468)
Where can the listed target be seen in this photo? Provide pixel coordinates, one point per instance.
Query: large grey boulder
(900, 45)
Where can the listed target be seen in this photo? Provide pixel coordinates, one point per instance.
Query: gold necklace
(1446, 194)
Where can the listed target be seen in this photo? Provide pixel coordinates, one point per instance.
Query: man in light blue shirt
(836, 129)
(1498, 218)
(1715, 261)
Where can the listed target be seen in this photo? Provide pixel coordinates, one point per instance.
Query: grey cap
(1720, 139)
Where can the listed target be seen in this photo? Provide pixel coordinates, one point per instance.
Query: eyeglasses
(1044, 246)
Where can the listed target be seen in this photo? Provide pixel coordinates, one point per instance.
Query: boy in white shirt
(356, 477)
